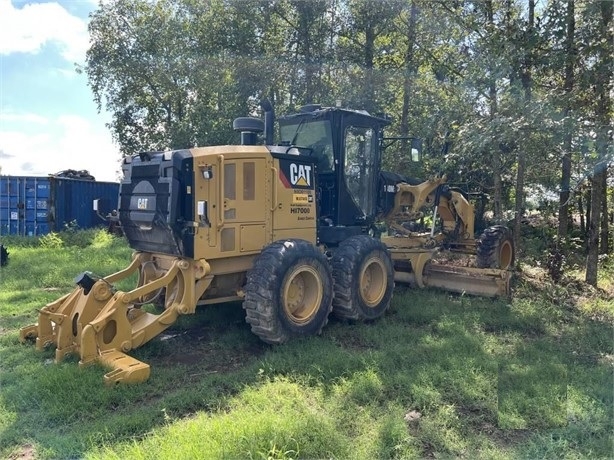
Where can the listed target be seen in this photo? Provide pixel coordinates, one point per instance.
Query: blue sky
(48, 120)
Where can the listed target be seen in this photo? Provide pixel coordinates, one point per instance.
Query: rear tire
(495, 248)
(288, 292)
(364, 279)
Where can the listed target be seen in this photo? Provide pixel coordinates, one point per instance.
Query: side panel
(233, 192)
(295, 213)
(156, 205)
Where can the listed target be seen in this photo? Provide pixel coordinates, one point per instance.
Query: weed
(51, 241)
(275, 453)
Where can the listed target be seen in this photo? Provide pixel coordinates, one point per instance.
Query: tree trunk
(564, 192)
(527, 84)
(604, 239)
(496, 157)
(592, 257)
(568, 88)
(603, 89)
(408, 83)
(305, 21)
(519, 196)
(581, 213)
(369, 64)
(588, 194)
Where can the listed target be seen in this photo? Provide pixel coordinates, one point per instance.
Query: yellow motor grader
(292, 229)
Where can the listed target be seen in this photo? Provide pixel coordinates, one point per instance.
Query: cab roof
(317, 111)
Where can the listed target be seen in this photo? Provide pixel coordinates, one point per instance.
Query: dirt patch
(453, 259)
(483, 422)
(26, 452)
(354, 343)
(200, 350)
(508, 438)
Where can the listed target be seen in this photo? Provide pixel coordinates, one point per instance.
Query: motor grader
(295, 230)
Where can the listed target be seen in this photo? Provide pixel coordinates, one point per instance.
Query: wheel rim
(373, 282)
(506, 255)
(302, 294)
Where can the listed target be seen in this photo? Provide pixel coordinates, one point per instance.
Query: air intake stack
(249, 128)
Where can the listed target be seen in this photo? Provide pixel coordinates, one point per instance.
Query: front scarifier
(102, 324)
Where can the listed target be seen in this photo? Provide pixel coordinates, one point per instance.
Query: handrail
(220, 162)
(274, 185)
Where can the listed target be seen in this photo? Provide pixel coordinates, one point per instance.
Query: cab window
(316, 135)
(360, 151)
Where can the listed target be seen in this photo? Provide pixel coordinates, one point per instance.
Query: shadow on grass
(62, 410)
(449, 359)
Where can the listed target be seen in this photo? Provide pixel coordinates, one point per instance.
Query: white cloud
(7, 115)
(72, 142)
(27, 29)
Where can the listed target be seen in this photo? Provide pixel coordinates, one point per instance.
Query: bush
(70, 237)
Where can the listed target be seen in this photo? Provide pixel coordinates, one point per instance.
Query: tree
(527, 84)
(364, 22)
(602, 84)
(172, 73)
(570, 53)
(409, 73)
(135, 67)
(507, 95)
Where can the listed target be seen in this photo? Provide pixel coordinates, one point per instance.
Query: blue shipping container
(32, 206)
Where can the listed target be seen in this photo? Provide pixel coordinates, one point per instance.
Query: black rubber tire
(495, 248)
(363, 277)
(288, 292)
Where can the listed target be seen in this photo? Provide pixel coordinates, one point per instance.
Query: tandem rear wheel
(364, 278)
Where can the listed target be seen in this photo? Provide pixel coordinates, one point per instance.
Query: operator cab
(345, 147)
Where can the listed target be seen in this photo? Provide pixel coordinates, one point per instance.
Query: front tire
(495, 248)
(288, 292)
(364, 279)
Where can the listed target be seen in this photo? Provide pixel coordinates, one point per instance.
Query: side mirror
(416, 150)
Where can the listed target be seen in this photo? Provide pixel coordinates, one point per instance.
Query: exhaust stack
(269, 120)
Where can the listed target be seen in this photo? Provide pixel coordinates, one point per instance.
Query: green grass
(439, 376)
